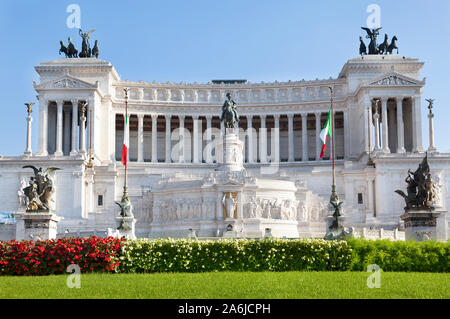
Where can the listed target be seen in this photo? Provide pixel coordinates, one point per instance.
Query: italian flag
(126, 142)
(326, 131)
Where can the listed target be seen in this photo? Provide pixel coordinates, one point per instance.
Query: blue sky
(199, 40)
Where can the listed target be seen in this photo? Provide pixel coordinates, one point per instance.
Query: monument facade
(271, 178)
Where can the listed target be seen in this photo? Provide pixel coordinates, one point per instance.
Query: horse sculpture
(63, 49)
(95, 50)
(383, 47)
(72, 52)
(393, 45)
(362, 47)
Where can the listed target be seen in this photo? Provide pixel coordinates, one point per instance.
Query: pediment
(394, 79)
(66, 82)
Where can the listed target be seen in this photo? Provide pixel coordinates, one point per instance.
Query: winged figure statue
(372, 35)
(85, 47)
(40, 189)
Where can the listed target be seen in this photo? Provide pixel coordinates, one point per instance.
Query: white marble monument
(176, 181)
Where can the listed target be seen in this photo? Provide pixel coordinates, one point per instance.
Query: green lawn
(225, 285)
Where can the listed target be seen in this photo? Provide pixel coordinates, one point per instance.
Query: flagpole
(126, 118)
(334, 197)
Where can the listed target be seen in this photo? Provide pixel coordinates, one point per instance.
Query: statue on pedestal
(40, 189)
(421, 191)
(230, 116)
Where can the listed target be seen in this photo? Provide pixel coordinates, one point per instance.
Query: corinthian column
(140, 137)
(431, 147)
(385, 126)
(263, 140)
(400, 127)
(168, 139)
(74, 127)
(181, 143)
(276, 137)
(318, 141)
(28, 151)
(291, 137)
(305, 156)
(154, 138)
(250, 138)
(209, 145)
(83, 129)
(43, 127)
(59, 128)
(195, 146)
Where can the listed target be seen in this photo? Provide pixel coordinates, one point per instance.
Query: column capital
(262, 116)
(195, 117)
(290, 115)
(168, 117)
(276, 116)
(304, 115)
(59, 102)
(318, 113)
(74, 102)
(154, 117)
(140, 116)
(181, 117)
(209, 117)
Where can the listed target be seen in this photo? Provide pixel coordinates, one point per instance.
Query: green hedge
(183, 255)
(429, 256)
(169, 255)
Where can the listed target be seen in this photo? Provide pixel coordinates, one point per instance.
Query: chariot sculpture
(71, 51)
(383, 48)
(40, 189)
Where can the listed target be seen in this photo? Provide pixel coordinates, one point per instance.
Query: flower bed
(169, 255)
(53, 256)
(182, 255)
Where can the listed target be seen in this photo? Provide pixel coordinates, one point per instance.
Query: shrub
(53, 256)
(429, 256)
(169, 255)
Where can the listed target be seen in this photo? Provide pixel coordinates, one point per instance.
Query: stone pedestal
(420, 224)
(126, 227)
(36, 226)
(229, 154)
(230, 234)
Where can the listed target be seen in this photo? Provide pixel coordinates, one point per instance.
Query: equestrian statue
(230, 116)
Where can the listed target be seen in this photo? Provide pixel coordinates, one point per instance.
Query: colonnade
(255, 137)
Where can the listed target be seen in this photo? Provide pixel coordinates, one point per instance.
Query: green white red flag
(126, 142)
(326, 131)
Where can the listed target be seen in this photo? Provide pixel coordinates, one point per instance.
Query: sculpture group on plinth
(71, 51)
(420, 217)
(39, 221)
(40, 189)
(383, 48)
(420, 190)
